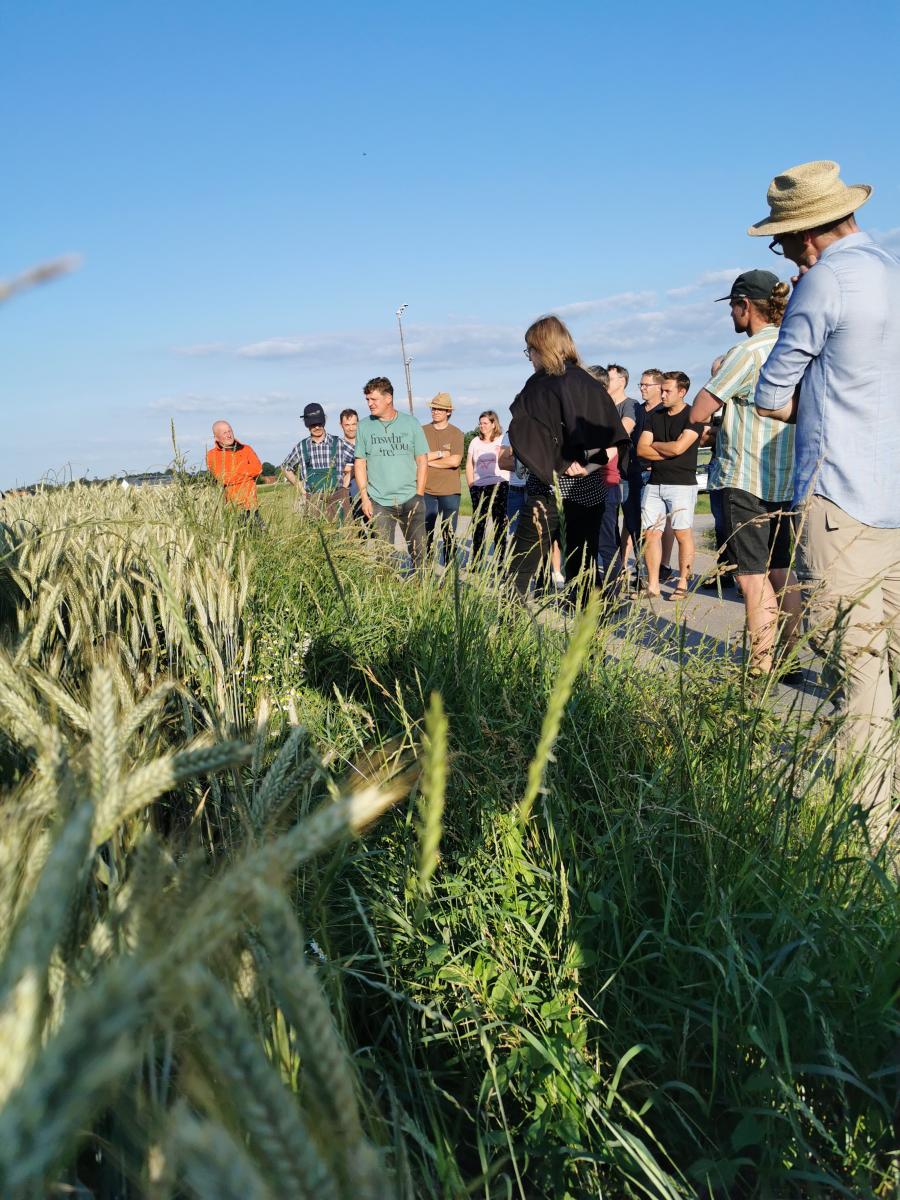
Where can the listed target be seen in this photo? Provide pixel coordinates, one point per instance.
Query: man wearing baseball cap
(320, 465)
(443, 488)
(835, 369)
(753, 470)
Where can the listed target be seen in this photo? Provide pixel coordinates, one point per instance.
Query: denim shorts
(675, 500)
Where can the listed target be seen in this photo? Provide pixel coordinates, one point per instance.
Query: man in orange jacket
(235, 466)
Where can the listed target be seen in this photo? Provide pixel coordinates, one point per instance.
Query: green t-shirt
(390, 449)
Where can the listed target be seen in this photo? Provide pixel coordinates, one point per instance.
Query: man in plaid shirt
(319, 466)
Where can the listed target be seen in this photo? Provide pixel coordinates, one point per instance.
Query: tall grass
(628, 939)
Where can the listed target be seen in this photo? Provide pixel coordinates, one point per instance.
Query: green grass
(627, 938)
(282, 495)
(676, 976)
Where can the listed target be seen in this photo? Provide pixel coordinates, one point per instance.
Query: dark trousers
(631, 510)
(487, 501)
(410, 516)
(445, 509)
(540, 524)
(333, 504)
(608, 559)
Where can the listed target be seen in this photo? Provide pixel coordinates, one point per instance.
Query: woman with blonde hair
(563, 424)
(488, 481)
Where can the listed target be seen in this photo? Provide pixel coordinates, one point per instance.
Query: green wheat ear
(269, 1113)
(576, 652)
(211, 1164)
(40, 928)
(432, 792)
(325, 1058)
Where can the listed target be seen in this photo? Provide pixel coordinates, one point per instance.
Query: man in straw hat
(443, 488)
(835, 369)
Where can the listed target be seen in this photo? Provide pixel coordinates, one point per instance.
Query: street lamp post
(407, 362)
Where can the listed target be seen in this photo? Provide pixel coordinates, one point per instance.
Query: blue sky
(255, 189)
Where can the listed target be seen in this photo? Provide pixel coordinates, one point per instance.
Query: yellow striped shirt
(752, 453)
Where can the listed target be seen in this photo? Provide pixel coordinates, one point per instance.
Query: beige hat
(442, 400)
(809, 195)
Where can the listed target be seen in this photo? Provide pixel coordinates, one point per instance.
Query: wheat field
(316, 881)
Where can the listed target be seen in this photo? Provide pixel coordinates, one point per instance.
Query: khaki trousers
(851, 576)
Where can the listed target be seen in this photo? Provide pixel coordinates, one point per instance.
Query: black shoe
(795, 677)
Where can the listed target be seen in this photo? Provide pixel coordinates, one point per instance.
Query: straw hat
(442, 401)
(809, 195)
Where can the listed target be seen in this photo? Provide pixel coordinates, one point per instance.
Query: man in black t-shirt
(669, 442)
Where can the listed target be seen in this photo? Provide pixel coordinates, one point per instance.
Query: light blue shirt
(840, 340)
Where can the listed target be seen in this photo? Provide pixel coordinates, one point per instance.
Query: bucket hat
(808, 195)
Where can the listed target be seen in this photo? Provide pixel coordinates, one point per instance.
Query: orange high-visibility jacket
(236, 469)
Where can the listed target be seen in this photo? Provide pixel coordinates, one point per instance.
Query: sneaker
(559, 580)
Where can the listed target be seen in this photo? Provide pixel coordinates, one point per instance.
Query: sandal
(680, 591)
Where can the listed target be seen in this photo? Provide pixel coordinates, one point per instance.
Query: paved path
(705, 622)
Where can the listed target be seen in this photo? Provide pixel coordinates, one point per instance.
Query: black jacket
(561, 419)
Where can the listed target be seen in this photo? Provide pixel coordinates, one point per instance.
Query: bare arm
(628, 422)
(672, 449)
(646, 449)
(444, 460)
(292, 478)
(506, 460)
(704, 406)
(421, 473)
(470, 468)
(787, 414)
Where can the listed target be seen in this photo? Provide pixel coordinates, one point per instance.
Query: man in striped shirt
(753, 470)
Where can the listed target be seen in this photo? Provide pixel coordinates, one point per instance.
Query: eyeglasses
(776, 247)
(527, 352)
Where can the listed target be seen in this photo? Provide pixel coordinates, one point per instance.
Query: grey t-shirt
(517, 475)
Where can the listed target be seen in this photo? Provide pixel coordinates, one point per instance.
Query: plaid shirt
(322, 456)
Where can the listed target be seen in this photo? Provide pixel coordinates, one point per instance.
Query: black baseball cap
(313, 414)
(752, 285)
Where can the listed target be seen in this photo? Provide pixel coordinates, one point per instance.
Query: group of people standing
(803, 417)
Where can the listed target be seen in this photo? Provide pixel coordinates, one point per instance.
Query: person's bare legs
(652, 559)
(787, 589)
(556, 559)
(685, 540)
(761, 607)
(668, 541)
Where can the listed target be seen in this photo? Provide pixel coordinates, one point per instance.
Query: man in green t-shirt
(391, 467)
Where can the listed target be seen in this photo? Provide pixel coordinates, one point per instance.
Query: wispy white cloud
(437, 346)
(707, 279)
(585, 308)
(661, 329)
(626, 321)
(889, 238)
(189, 403)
